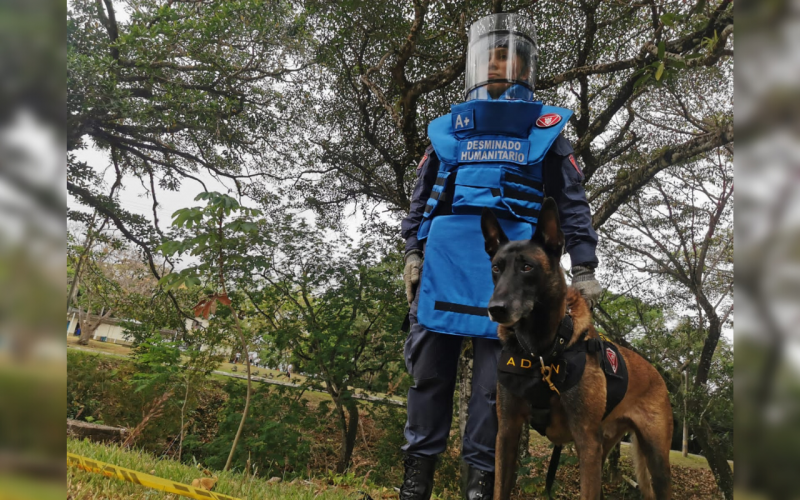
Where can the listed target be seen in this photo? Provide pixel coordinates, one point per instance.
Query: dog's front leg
(590, 455)
(584, 409)
(511, 414)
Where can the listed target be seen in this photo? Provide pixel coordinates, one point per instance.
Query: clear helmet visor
(502, 53)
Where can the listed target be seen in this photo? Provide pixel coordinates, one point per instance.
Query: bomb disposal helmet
(506, 38)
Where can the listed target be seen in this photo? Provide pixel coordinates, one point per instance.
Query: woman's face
(500, 67)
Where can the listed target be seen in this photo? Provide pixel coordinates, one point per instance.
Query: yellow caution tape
(145, 480)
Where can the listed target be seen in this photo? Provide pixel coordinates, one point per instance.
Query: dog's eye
(495, 269)
(526, 268)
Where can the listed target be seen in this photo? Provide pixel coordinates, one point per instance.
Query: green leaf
(672, 63)
(662, 47)
(642, 80)
(249, 227)
(659, 71)
(192, 281)
(668, 19)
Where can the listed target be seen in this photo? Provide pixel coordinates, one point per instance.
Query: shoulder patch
(575, 163)
(612, 359)
(548, 120)
(423, 160)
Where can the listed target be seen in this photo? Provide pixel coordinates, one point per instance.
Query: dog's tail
(642, 472)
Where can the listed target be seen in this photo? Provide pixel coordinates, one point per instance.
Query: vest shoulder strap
(440, 132)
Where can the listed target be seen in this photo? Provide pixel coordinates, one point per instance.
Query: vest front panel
(491, 155)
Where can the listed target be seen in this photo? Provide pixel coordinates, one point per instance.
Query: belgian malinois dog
(530, 300)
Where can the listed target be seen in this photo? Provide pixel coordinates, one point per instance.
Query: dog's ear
(548, 230)
(493, 234)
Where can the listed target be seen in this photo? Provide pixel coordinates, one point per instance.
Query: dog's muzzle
(508, 313)
(498, 312)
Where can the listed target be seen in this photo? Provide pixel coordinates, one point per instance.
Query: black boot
(418, 478)
(479, 484)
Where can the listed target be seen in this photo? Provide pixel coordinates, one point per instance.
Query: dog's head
(526, 273)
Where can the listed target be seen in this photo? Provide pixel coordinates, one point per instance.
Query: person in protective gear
(498, 149)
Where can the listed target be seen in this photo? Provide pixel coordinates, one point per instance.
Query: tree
(161, 363)
(108, 277)
(650, 84)
(678, 236)
(335, 308)
(670, 338)
(223, 248)
(650, 81)
(338, 310)
(178, 92)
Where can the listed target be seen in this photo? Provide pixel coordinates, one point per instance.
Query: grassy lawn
(89, 486)
(104, 347)
(241, 369)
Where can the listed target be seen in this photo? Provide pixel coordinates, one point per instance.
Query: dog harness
(491, 155)
(536, 379)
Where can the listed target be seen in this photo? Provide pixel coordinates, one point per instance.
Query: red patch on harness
(612, 358)
(575, 164)
(422, 161)
(548, 120)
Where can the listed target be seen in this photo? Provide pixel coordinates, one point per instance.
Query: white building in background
(111, 330)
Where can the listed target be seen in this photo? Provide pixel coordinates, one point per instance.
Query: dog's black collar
(563, 336)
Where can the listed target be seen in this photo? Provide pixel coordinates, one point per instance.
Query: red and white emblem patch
(422, 161)
(575, 164)
(548, 120)
(612, 358)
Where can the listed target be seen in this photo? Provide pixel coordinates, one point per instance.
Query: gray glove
(411, 273)
(583, 279)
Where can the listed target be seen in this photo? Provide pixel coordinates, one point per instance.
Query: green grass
(96, 345)
(84, 485)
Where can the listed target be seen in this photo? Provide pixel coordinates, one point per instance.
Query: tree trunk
(87, 247)
(95, 432)
(464, 385)
(685, 439)
(88, 326)
(183, 417)
(717, 462)
(87, 332)
(244, 412)
(349, 433)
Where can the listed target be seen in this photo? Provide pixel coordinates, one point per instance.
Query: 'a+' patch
(464, 120)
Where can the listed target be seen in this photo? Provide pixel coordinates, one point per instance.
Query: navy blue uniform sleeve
(426, 178)
(563, 182)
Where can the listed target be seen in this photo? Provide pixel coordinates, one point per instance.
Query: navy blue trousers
(432, 360)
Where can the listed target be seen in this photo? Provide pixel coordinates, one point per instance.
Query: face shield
(502, 53)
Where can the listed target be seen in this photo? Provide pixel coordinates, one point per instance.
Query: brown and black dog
(530, 300)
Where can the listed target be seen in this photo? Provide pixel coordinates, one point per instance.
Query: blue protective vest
(491, 155)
